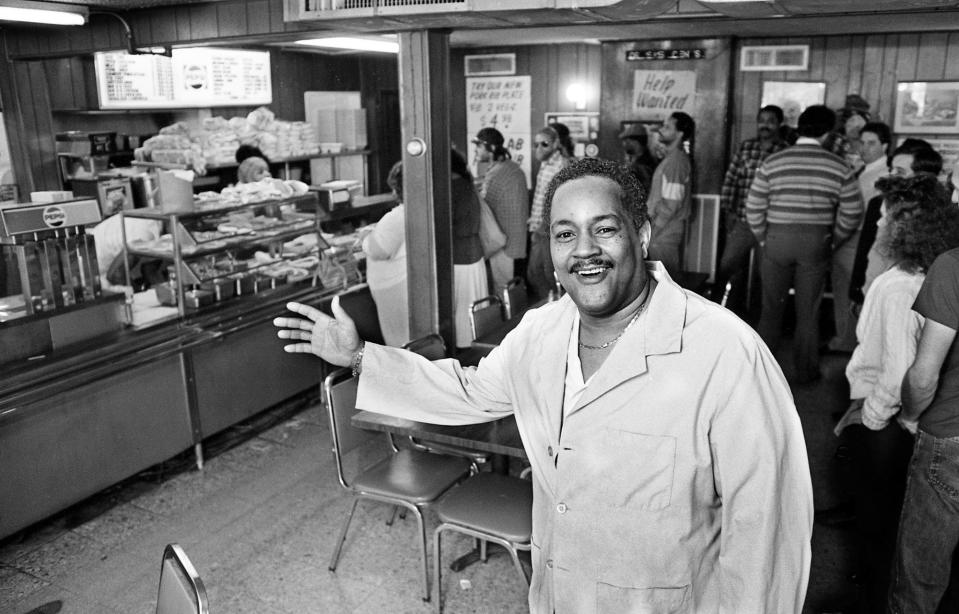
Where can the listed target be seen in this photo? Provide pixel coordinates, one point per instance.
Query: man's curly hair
(923, 221)
(632, 194)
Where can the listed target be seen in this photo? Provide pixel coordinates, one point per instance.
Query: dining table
(496, 437)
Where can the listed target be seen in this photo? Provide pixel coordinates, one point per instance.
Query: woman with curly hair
(922, 224)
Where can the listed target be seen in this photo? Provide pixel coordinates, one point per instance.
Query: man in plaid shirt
(539, 266)
(739, 176)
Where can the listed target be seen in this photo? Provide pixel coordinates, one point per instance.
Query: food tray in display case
(226, 252)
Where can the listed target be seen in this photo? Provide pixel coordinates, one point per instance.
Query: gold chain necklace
(642, 307)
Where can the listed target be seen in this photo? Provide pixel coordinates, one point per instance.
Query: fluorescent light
(355, 44)
(42, 12)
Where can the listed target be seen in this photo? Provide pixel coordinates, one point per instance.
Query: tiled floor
(259, 523)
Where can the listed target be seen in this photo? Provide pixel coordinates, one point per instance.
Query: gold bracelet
(357, 360)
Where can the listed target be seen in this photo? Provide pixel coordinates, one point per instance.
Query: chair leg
(437, 579)
(339, 542)
(389, 522)
(426, 565)
(484, 555)
(519, 566)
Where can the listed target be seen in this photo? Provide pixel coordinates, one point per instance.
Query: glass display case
(224, 251)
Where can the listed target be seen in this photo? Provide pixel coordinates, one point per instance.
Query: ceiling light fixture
(48, 13)
(354, 44)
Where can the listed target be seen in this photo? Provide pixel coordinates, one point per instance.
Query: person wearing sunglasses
(552, 159)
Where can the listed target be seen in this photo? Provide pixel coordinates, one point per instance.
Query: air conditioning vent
(397, 15)
(489, 64)
(774, 57)
(332, 8)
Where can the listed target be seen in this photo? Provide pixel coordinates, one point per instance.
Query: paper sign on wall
(657, 94)
(502, 103)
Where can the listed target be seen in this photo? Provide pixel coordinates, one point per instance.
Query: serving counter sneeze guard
(222, 255)
(55, 299)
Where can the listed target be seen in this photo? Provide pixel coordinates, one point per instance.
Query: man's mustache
(590, 263)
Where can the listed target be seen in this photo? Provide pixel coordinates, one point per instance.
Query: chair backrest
(485, 314)
(359, 304)
(431, 347)
(181, 590)
(515, 299)
(340, 390)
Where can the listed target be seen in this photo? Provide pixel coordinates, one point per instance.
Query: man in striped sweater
(803, 203)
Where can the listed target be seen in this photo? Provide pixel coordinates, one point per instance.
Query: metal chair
(515, 298)
(432, 347)
(408, 478)
(181, 590)
(485, 314)
(489, 507)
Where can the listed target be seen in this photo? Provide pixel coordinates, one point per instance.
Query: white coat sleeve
(762, 479)
(400, 383)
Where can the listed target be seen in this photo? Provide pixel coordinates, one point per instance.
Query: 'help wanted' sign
(657, 94)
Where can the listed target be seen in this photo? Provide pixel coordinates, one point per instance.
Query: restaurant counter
(79, 420)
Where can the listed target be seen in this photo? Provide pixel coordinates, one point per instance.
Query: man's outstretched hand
(335, 339)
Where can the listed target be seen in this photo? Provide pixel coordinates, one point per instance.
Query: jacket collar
(658, 331)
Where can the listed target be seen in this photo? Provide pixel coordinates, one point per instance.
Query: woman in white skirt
(469, 268)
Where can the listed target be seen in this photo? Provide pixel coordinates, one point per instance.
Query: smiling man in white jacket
(669, 466)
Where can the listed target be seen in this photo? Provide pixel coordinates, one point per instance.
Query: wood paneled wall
(870, 65)
(552, 69)
(54, 95)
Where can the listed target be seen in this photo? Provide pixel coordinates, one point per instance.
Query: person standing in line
(914, 156)
(844, 139)
(565, 139)
(505, 191)
(636, 154)
(385, 249)
(923, 224)
(668, 461)
(929, 523)
(874, 141)
(670, 196)
(539, 267)
(740, 241)
(803, 203)
(469, 266)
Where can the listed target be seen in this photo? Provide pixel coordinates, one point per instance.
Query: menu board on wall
(193, 77)
(502, 103)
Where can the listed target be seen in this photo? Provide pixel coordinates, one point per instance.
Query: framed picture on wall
(930, 107)
(793, 97)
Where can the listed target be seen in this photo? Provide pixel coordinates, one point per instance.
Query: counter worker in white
(669, 471)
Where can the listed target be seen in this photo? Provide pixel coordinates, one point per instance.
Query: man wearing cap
(505, 191)
(739, 176)
(636, 154)
(843, 140)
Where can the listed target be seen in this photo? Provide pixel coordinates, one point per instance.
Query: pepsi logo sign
(54, 216)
